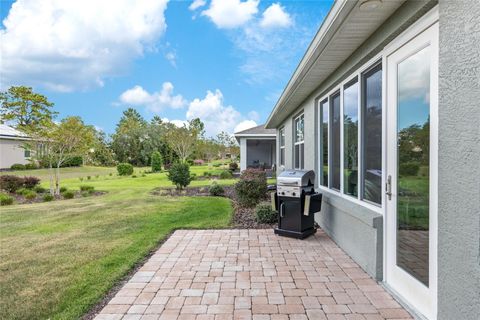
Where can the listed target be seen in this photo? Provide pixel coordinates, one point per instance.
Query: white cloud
(74, 45)
(178, 123)
(172, 58)
(228, 14)
(197, 4)
(275, 16)
(244, 125)
(215, 115)
(156, 101)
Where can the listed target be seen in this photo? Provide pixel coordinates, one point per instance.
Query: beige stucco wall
(11, 151)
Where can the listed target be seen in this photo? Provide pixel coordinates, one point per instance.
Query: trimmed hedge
(68, 194)
(226, 175)
(124, 169)
(17, 166)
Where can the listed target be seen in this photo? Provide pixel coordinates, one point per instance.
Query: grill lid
(298, 178)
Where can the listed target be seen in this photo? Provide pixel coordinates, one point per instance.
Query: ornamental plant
(251, 188)
(179, 174)
(156, 161)
(124, 169)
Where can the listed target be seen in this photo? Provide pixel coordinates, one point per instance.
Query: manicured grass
(58, 259)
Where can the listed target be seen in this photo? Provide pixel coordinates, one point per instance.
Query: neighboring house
(257, 147)
(384, 106)
(12, 149)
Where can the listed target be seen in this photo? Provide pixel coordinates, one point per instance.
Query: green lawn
(58, 259)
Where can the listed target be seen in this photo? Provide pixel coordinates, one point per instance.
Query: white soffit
(344, 29)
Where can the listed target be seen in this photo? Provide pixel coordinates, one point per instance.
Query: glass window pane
(372, 135)
(324, 143)
(299, 129)
(282, 137)
(282, 157)
(350, 139)
(302, 162)
(335, 153)
(413, 125)
(297, 152)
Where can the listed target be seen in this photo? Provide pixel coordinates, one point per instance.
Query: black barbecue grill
(296, 202)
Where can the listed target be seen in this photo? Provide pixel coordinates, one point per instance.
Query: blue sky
(225, 61)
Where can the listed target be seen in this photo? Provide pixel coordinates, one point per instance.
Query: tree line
(134, 141)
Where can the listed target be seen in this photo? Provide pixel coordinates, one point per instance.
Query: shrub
(30, 195)
(207, 174)
(87, 188)
(30, 182)
(75, 161)
(198, 162)
(31, 166)
(11, 183)
(226, 175)
(47, 197)
(156, 162)
(216, 190)
(40, 189)
(124, 169)
(265, 214)
(110, 174)
(81, 178)
(97, 176)
(193, 176)
(134, 176)
(89, 177)
(216, 165)
(17, 166)
(63, 189)
(409, 169)
(233, 166)
(179, 174)
(5, 199)
(22, 191)
(69, 194)
(251, 187)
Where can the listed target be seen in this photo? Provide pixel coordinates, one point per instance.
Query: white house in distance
(12, 147)
(257, 147)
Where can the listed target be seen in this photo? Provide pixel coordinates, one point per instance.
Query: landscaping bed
(242, 218)
(20, 199)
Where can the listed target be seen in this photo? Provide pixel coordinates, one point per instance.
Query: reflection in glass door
(412, 170)
(413, 138)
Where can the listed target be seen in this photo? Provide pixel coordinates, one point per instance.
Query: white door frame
(422, 34)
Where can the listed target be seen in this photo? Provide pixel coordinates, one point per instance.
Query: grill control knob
(283, 193)
(293, 194)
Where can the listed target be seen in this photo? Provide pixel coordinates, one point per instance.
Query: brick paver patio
(250, 274)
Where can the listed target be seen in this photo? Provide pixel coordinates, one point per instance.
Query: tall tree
(129, 137)
(29, 111)
(182, 141)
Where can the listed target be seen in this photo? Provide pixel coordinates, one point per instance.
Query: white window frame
(326, 96)
(320, 151)
(295, 142)
(281, 146)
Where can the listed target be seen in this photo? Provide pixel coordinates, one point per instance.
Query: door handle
(388, 187)
(282, 214)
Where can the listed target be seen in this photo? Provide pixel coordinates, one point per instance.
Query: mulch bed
(243, 218)
(20, 199)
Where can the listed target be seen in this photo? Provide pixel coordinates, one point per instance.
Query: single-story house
(384, 106)
(257, 147)
(12, 147)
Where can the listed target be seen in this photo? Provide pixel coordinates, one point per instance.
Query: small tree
(68, 139)
(179, 174)
(156, 161)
